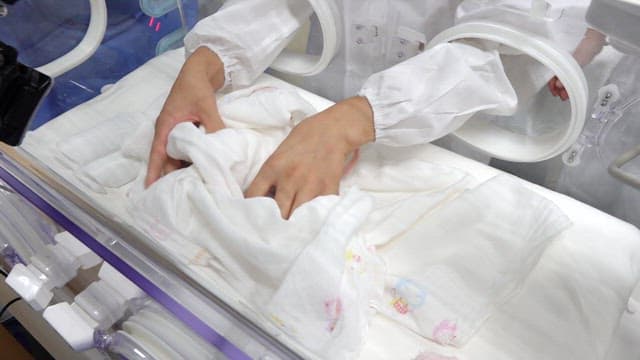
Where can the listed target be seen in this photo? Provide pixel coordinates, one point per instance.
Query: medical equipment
(616, 170)
(87, 46)
(508, 145)
(121, 343)
(225, 322)
(84, 49)
(619, 20)
(533, 31)
(599, 166)
(293, 63)
(51, 266)
(4, 10)
(603, 116)
(21, 89)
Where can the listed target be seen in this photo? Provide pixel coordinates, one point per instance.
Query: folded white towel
(111, 154)
(452, 269)
(96, 142)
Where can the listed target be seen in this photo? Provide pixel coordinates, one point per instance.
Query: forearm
(590, 46)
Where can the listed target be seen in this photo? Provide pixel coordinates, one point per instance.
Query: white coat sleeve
(248, 35)
(435, 92)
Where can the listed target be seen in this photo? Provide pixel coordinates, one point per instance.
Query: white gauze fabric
(474, 253)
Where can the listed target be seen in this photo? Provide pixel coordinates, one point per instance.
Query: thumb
(209, 117)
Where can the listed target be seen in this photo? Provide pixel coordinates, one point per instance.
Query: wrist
(590, 46)
(355, 118)
(205, 62)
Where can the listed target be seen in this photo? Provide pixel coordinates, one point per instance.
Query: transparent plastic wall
(208, 7)
(50, 205)
(43, 30)
(602, 167)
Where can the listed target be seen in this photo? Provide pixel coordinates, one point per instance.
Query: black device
(22, 88)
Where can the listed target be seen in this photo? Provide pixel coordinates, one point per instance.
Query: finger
(306, 194)
(209, 116)
(153, 171)
(261, 185)
(170, 165)
(157, 158)
(564, 95)
(158, 154)
(552, 86)
(285, 197)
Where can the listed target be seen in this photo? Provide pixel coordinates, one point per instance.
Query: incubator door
(540, 128)
(601, 168)
(612, 130)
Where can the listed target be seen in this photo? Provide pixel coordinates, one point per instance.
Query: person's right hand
(192, 98)
(557, 88)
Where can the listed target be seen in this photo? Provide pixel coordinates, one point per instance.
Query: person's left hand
(557, 88)
(310, 161)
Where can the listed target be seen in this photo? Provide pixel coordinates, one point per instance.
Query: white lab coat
(378, 34)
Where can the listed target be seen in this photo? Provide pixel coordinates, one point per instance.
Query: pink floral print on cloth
(428, 355)
(445, 332)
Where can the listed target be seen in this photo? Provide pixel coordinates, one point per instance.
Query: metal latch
(605, 113)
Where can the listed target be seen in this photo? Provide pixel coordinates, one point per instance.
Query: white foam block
(70, 325)
(25, 281)
(119, 282)
(80, 251)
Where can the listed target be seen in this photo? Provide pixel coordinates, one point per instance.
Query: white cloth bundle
(272, 263)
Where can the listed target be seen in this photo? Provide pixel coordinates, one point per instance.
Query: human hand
(590, 46)
(310, 161)
(192, 98)
(557, 88)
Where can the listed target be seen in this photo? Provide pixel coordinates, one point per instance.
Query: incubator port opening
(542, 126)
(540, 117)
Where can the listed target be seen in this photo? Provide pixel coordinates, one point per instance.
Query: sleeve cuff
(231, 65)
